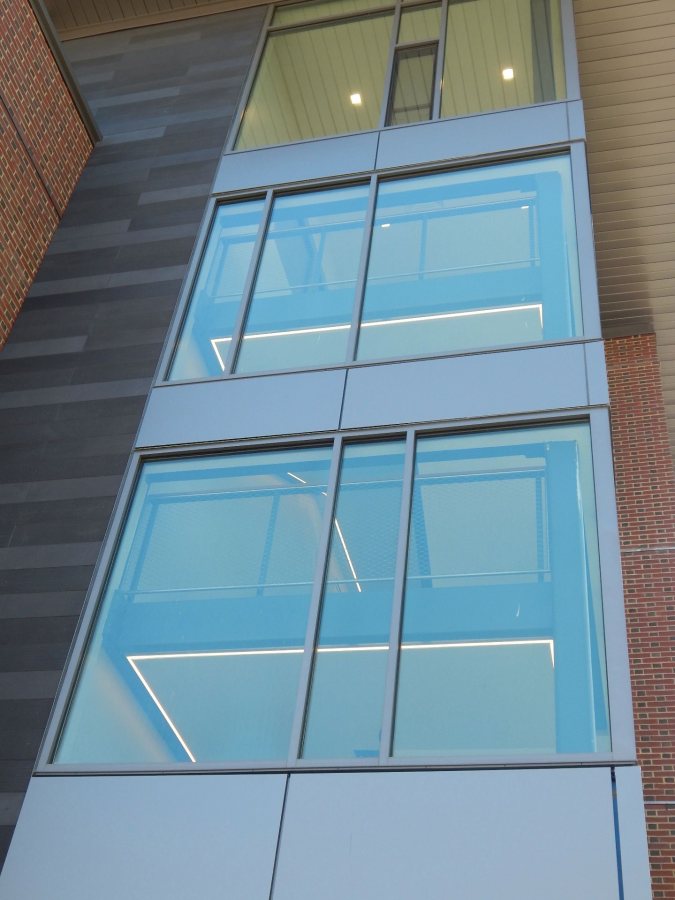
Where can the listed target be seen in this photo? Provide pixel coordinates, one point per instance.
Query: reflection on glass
(420, 24)
(301, 310)
(197, 650)
(413, 85)
(308, 77)
(297, 13)
(470, 259)
(345, 709)
(502, 644)
(502, 53)
(207, 331)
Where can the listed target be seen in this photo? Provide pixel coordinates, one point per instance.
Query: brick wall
(43, 148)
(645, 488)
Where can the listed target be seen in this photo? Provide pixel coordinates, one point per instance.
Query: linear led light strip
(444, 645)
(406, 320)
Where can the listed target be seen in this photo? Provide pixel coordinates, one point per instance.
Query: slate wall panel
(77, 367)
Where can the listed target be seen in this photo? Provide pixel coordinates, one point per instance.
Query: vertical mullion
(390, 65)
(249, 285)
(397, 602)
(360, 290)
(440, 61)
(315, 604)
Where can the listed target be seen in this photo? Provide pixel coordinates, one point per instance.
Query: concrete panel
(632, 834)
(512, 835)
(243, 407)
(545, 378)
(324, 158)
(477, 135)
(172, 837)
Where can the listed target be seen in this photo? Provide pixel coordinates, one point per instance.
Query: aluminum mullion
(315, 605)
(390, 66)
(440, 61)
(397, 601)
(360, 289)
(249, 285)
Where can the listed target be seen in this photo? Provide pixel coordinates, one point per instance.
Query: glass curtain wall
(337, 67)
(453, 262)
(492, 617)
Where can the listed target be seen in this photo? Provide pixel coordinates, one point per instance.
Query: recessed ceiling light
(385, 225)
(507, 74)
(356, 99)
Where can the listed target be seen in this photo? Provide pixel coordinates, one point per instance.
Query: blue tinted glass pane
(304, 294)
(470, 259)
(347, 693)
(207, 331)
(502, 644)
(197, 650)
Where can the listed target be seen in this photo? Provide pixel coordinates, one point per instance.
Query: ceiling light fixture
(507, 74)
(356, 99)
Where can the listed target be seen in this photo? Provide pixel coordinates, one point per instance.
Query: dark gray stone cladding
(76, 370)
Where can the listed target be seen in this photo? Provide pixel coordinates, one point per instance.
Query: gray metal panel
(243, 407)
(171, 837)
(630, 810)
(516, 835)
(304, 161)
(596, 369)
(577, 123)
(486, 384)
(618, 676)
(478, 135)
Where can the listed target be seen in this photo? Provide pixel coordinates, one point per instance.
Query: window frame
(618, 685)
(568, 50)
(589, 324)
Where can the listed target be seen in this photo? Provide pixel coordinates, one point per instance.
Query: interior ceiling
(80, 18)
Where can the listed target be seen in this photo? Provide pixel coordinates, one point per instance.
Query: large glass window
(197, 653)
(479, 258)
(338, 66)
(260, 610)
(501, 645)
(301, 309)
(457, 261)
(347, 696)
(207, 333)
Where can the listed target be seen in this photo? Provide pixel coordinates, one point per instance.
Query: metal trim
(389, 699)
(51, 36)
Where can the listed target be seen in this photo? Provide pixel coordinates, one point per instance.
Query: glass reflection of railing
(154, 595)
(506, 573)
(420, 274)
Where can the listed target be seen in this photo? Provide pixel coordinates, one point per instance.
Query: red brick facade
(43, 148)
(645, 488)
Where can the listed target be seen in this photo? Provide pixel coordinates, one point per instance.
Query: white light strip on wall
(214, 344)
(366, 648)
(515, 643)
(380, 323)
(441, 645)
(349, 559)
(159, 706)
(456, 315)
